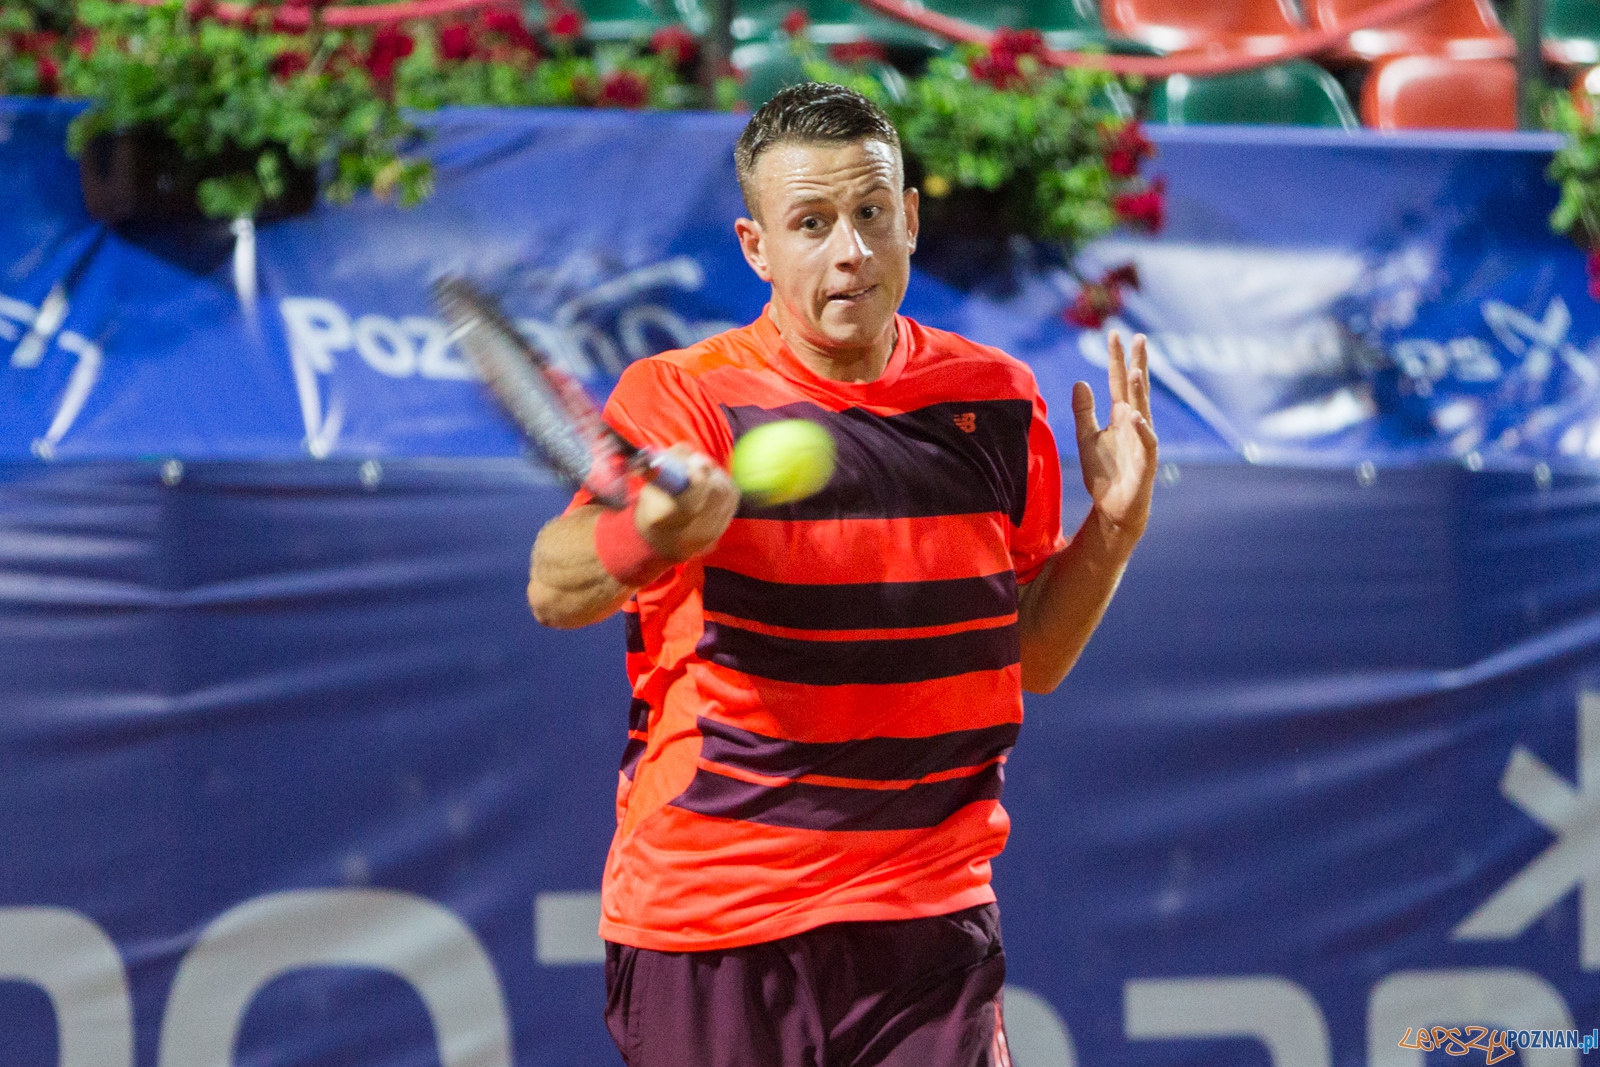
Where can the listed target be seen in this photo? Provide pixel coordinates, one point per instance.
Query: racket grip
(668, 472)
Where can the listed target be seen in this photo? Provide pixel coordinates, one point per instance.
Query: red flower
(676, 44)
(1098, 301)
(389, 46)
(858, 52)
(455, 41)
(34, 44)
(562, 22)
(509, 25)
(795, 22)
(1094, 304)
(1147, 210)
(83, 43)
(998, 66)
(1018, 43)
(623, 88)
(1593, 265)
(49, 76)
(1127, 149)
(1127, 275)
(998, 69)
(287, 64)
(196, 10)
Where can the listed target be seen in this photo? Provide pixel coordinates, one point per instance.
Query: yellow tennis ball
(782, 462)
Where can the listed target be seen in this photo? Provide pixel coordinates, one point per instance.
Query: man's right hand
(567, 584)
(689, 524)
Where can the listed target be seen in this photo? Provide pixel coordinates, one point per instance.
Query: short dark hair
(809, 113)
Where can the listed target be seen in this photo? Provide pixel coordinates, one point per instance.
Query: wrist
(1117, 538)
(623, 551)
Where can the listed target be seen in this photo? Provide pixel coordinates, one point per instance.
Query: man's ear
(752, 242)
(913, 222)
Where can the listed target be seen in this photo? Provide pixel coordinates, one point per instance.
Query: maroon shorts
(905, 993)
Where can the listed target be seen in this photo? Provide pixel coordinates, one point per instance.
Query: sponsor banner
(290, 775)
(1317, 297)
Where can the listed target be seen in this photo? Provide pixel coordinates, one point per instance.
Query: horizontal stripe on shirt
(848, 712)
(922, 462)
(882, 759)
(870, 662)
(806, 806)
(861, 605)
(850, 551)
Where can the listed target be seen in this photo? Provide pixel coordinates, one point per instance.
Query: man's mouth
(850, 295)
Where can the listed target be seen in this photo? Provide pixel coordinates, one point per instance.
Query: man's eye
(811, 224)
(871, 212)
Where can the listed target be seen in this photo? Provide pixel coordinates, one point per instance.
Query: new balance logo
(968, 421)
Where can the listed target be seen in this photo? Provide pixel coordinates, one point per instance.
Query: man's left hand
(1119, 462)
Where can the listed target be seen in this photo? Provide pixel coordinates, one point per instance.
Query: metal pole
(718, 44)
(1530, 60)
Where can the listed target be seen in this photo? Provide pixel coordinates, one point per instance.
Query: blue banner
(289, 775)
(1317, 297)
(287, 769)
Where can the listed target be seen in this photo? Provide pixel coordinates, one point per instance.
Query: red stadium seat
(1203, 25)
(1462, 29)
(1435, 92)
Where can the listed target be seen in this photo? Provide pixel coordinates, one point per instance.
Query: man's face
(834, 236)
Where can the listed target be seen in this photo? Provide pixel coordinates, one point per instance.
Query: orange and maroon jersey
(823, 703)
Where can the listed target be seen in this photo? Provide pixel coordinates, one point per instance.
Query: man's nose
(850, 248)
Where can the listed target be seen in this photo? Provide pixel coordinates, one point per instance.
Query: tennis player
(824, 693)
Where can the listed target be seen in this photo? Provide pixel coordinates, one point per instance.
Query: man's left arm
(1059, 609)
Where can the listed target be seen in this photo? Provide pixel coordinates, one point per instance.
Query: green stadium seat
(769, 66)
(1288, 94)
(621, 20)
(1071, 25)
(1572, 31)
(842, 22)
(1013, 13)
(831, 22)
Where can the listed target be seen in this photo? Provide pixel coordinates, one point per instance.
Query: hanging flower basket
(144, 176)
(194, 116)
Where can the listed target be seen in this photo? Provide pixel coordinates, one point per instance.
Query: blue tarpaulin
(288, 774)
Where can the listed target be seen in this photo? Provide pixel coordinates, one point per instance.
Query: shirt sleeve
(659, 404)
(1039, 537)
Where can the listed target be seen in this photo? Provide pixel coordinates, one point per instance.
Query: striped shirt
(823, 703)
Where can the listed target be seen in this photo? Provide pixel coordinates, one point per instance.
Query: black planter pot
(140, 176)
(966, 237)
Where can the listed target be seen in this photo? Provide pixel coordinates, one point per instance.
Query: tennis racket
(547, 404)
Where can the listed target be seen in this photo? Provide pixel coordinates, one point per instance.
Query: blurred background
(288, 773)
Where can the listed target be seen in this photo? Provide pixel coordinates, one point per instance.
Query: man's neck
(854, 365)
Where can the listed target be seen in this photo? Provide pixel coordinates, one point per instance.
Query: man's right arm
(569, 585)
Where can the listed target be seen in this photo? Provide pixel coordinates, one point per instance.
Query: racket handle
(668, 472)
